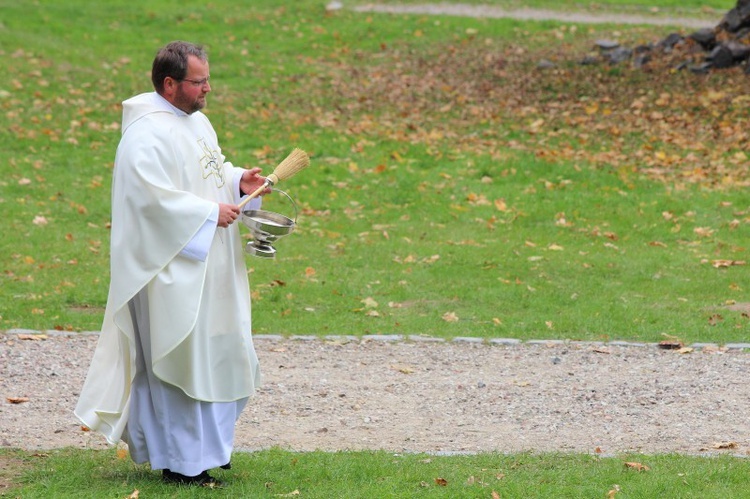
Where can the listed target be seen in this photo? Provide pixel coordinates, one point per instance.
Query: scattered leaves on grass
(441, 481)
(613, 491)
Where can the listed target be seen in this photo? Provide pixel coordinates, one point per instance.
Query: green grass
(277, 473)
(449, 194)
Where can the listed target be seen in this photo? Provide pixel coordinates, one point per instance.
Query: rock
(607, 44)
(641, 60)
(736, 18)
(721, 57)
(668, 43)
(589, 60)
(546, 64)
(728, 54)
(701, 68)
(620, 54)
(706, 38)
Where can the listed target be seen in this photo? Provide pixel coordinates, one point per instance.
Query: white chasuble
(169, 174)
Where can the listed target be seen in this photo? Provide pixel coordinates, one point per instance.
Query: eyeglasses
(198, 83)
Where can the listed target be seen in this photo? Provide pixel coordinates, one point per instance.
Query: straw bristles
(296, 161)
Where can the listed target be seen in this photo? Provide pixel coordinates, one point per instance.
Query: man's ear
(170, 85)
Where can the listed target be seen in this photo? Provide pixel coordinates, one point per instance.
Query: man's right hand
(228, 213)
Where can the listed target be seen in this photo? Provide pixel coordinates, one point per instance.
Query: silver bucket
(267, 227)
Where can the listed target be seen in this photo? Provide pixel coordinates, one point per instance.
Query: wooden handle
(253, 195)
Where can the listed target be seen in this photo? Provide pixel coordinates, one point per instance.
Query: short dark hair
(172, 61)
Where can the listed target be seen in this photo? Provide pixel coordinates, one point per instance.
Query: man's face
(190, 94)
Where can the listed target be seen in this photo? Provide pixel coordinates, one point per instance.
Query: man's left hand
(251, 180)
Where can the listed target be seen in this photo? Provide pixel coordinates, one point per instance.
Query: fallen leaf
(725, 445)
(495, 495)
(441, 481)
(637, 466)
(720, 264)
(32, 337)
(370, 303)
(122, 453)
(17, 400)
(670, 345)
(293, 493)
(450, 317)
(403, 369)
(136, 493)
(615, 490)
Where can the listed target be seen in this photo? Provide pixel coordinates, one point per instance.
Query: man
(175, 362)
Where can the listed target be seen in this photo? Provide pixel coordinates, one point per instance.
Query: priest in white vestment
(175, 362)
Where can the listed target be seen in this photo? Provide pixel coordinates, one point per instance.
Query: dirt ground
(428, 396)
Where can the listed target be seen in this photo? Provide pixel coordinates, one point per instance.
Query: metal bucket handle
(296, 211)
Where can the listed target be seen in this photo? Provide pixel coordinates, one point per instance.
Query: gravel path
(429, 396)
(528, 14)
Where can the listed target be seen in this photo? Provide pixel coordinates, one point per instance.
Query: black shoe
(227, 466)
(203, 480)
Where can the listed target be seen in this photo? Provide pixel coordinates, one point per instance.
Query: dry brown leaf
(441, 481)
(670, 345)
(725, 445)
(32, 337)
(136, 493)
(615, 489)
(720, 264)
(636, 466)
(495, 495)
(17, 400)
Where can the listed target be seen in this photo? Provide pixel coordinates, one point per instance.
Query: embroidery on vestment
(210, 163)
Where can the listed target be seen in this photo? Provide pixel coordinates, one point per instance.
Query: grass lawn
(456, 189)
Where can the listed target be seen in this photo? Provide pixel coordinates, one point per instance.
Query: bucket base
(260, 250)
